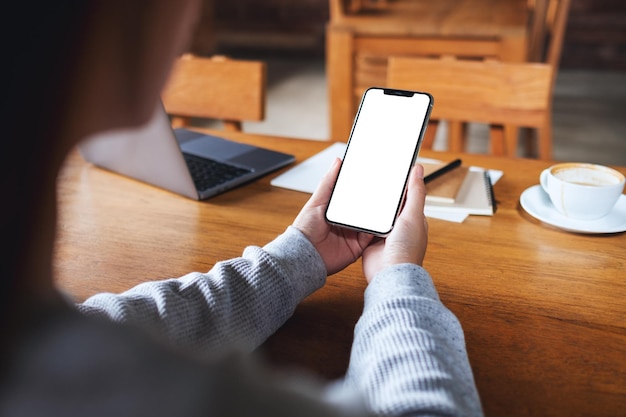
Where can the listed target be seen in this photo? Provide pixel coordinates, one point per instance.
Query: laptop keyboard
(207, 173)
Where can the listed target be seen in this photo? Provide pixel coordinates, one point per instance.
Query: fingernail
(419, 171)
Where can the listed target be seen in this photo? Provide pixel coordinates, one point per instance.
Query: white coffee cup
(582, 191)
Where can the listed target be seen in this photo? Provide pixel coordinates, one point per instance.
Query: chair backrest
(547, 32)
(496, 93)
(219, 88)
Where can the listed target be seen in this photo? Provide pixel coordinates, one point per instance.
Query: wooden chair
(505, 96)
(216, 88)
(548, 23)
(362, 34)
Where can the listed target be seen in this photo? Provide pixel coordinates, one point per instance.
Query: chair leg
(544, 140)
(231, 126)
(511, 136)
(429, 135)
(339, 69)
(179, 121)
(455, 135)
(497, 145)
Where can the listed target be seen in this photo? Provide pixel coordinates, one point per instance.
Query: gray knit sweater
(408, 355)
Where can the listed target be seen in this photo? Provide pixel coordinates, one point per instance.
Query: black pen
(442, 170)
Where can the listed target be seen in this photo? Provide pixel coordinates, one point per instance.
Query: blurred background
(589, 100)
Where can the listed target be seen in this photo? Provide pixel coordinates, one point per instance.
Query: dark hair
(41, 44)
(40, 47)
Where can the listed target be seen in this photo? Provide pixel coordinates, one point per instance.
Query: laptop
(192, 164)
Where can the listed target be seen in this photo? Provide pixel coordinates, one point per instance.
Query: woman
(166, 348)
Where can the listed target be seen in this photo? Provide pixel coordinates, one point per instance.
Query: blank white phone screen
(385, 138)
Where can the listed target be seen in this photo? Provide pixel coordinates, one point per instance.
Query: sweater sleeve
(408, 355)
(237, 304)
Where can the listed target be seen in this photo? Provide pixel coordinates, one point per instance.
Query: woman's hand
(339, 247)
(408, 240)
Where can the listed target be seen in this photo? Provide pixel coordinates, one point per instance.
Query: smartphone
(384, 142)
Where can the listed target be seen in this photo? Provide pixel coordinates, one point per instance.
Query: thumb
(416, 195)
(325, 187)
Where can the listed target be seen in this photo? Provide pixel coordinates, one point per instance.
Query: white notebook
(474, 197)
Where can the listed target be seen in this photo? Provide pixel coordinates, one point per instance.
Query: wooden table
(359, 42)
(544, 310)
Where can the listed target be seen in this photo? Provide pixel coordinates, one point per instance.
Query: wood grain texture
(477, 29)
(216, 88)
(543, 310)
(492, 92)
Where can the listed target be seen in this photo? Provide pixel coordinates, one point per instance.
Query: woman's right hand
(408, 240)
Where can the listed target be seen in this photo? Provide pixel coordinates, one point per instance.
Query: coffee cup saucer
(537, 203)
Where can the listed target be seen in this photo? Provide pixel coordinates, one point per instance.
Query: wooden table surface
(544, 310)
